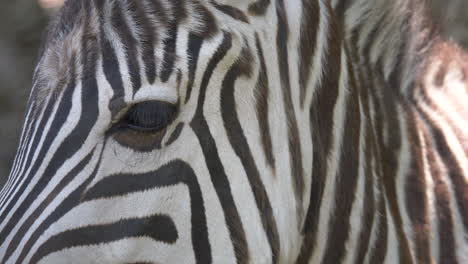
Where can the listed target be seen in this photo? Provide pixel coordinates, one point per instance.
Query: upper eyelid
(117, 122)
(122, 112)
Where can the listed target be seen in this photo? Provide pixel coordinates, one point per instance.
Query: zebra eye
(149, 116)
(144, 125)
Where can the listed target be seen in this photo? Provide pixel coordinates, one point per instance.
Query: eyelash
(150, 116)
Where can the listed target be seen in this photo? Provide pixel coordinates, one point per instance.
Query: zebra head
(163, 132)
(241, 131)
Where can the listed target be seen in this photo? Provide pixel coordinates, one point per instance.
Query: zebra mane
(62, 43)
(392, 36)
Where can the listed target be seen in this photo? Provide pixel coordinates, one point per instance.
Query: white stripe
(392, 251)
(356, 217)
(321, 55)
(431, 199)
(404, 162)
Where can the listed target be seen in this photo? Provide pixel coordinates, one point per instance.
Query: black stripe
(213, 161)
(170, 43)
(193, 51)
(91, 235)
(208, 26)
(341, 7)
(241, 148)
(447, 245)
(158, 11)
(295, 152)
(180, 12)
(129, 44)
(175, 135)
(369, 207)
(263, 94)
(369, 41)
(169, 52)
(231, 11)
(307, 46)
(454, 172)
(259, 8)
(147, 37)
(379, 251)
(415, 189)
(171, 174)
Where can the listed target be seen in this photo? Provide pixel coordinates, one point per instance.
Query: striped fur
(305, 131)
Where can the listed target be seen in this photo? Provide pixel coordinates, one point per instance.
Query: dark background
(22, 23)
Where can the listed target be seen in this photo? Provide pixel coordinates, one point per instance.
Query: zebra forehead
(160, 13)
(157, 14)
(81, 22)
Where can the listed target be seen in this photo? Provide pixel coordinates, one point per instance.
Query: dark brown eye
(144, 125)
(149, 116)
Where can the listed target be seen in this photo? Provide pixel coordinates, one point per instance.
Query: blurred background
(22, 24)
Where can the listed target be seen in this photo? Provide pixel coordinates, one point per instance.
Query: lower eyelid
(141, 141)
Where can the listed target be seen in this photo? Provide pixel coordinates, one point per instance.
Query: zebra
(241, 131)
